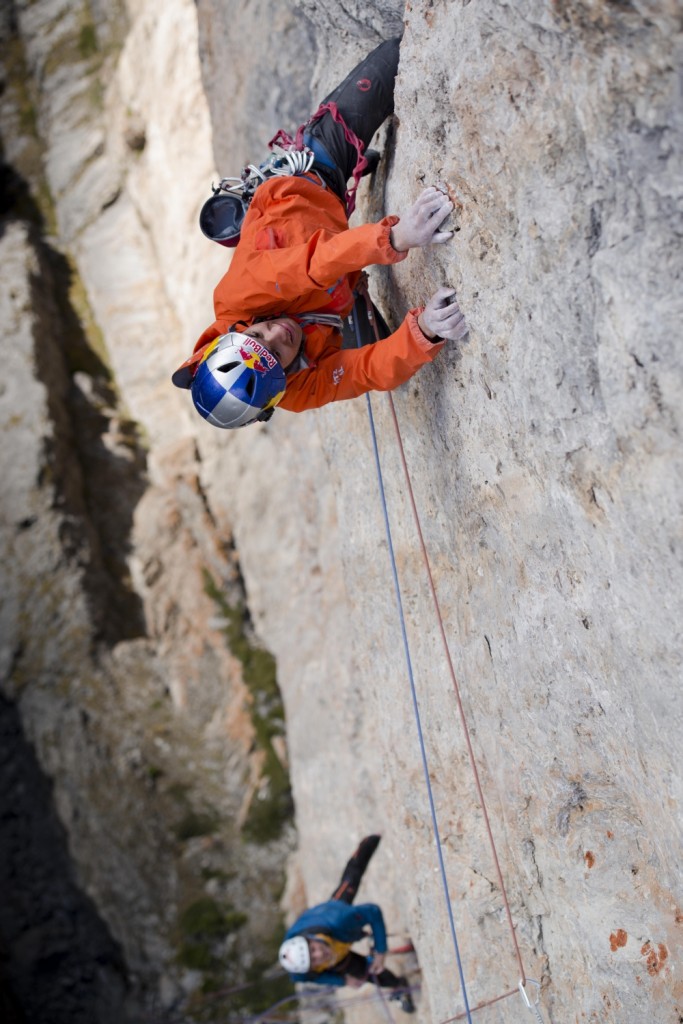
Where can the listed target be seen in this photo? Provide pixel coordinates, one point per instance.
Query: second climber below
(317, 947)
(277, 334)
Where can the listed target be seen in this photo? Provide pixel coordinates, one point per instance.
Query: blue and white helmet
(295, 955)
(236, 380)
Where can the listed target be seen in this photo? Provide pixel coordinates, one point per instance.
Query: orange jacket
(297, 254)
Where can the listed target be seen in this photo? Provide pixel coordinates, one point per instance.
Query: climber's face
(321, 954)
(282, 338)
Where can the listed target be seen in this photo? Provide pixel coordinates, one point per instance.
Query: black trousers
(364, 99)
(355, 869)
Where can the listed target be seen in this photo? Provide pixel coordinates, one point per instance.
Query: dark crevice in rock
(98, 465)
(94, 461)
(58, 962)
(96, 484)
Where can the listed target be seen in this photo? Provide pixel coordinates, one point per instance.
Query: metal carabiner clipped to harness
(223, 213)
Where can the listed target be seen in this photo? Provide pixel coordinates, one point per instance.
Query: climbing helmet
(236, 381)
(295, 956)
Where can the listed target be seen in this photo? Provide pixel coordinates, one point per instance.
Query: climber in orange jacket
(279, 308)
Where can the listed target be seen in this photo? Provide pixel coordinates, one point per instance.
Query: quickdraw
(532, 1006)
(279, 164)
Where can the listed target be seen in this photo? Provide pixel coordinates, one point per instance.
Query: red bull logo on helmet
(257, 356)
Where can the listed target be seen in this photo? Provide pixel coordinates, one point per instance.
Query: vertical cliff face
(545, 460)
(544, 455)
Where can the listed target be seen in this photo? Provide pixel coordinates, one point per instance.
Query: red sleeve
(340, 374)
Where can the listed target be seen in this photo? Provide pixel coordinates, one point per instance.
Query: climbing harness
(524, 981)
(297, 142)
(222, 215)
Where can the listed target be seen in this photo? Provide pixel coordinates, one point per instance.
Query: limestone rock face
(255, 62)
(544, 455)
(545, 460)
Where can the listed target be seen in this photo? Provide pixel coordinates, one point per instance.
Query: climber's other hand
(442, 318)
(420, 224)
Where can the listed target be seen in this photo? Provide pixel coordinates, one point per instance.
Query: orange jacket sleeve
(260, 280)
(340, 374)
(209, 334)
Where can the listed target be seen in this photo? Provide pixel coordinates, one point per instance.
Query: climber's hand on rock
(377, 965)
(421, 222)
(442, 318)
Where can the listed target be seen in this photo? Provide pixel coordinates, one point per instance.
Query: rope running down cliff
(437, 609)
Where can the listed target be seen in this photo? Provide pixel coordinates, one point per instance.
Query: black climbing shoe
(403, 996)
(407, 1004)
(373, 158)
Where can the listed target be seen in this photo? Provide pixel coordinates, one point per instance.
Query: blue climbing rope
(413, 691)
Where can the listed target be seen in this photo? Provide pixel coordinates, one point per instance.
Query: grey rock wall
(545, 459)
(546, 464)
(256, 68)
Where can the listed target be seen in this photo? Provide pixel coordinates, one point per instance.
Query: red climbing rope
(456, 688)
(481, 1006)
